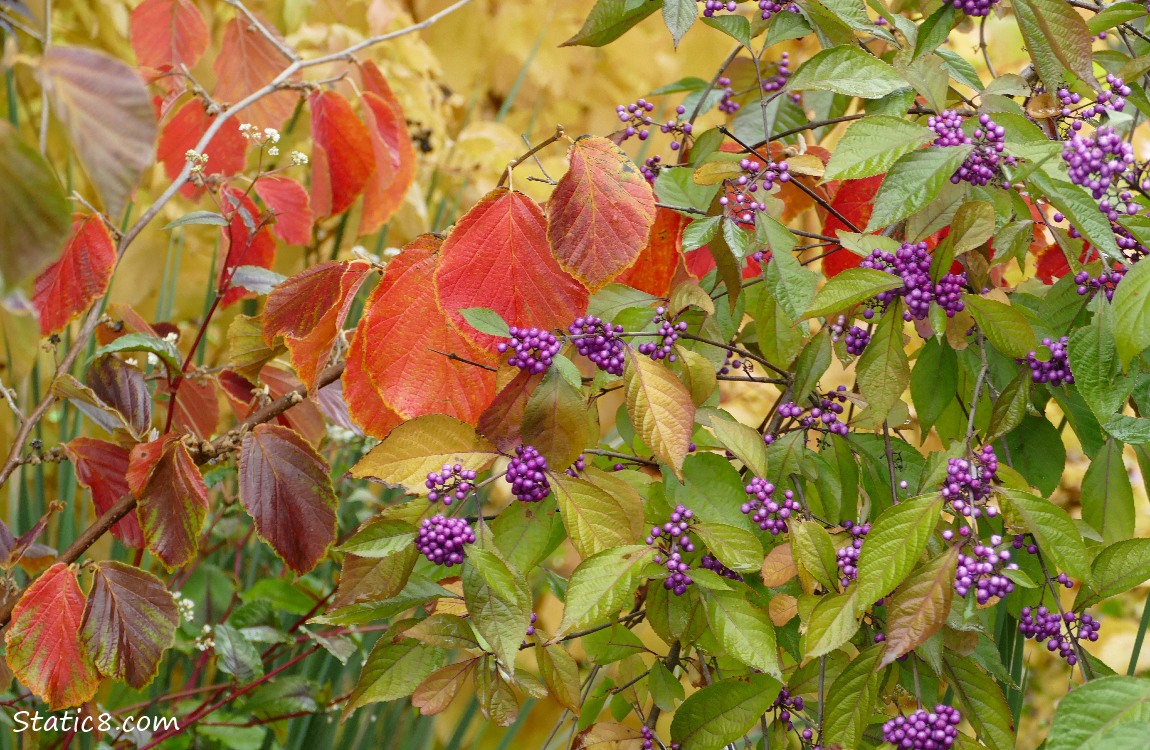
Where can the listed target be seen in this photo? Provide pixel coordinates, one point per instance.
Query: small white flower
(271, 134)
(131, 362)
(153, 360)
(247, 130)
(273, 151)
(171, 337)
(197, 160)
(298, 158)
(185, 607)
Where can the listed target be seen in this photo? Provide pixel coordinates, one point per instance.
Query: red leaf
(653, 271)
(501, 421)
(226, 151)
(348, 155)
(854, 200)
(122, 387)
(244, 246)
(68, 286)
(305, 417)
(167, 34)
(197, 407)
(102, 467)
(129, 621)
(600, 214)
(497, 256)
(247, 62)
(391, 144)
(285, 486)
(172, 498)
(309, 309)
(44, 649)
(391, 360)
(291, 205)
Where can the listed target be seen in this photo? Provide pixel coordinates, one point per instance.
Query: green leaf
(1132, 313)
(736, 548)
(972, 226)
(814, 552)
(555, 420)
(210, 218)
(665, 689)
(812, 364)
(603, 584)
(851, 699)
(680, 16)
(933, 382)
(1005, 327)
(734, 26)
(746, 443)
(660, 408)
(1080, 209)
(832, 623)
(700, 231)
(1118, 568)
(1098, 376)
(1088, 712)
(423, 445)
(1038, 453)
(486, 320)
(596, 519)
(33, 210)
(236, 655)
(934, 30)
(1056, 534)
(498, 602)
(1114, 15)
(1057, 39)
(677, 187)
(723, 712)
(611, 19)
(983, 704)
(1130, 430)
(883, 369)
(743, 630)
(913, 182)
(1107, 497)
(1010, 406)
(960, 68)
(526, 533)
(444, 631)
(871, 145)
(896, 540)
(393, 671)
(847, 70)
(561, 675)
(920, 606)
(791, 284)
(142, 342)
(380, 538)
(850, 287)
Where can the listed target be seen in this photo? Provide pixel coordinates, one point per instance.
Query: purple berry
(769, 514)
(599, 342)
(526, 473)
(441, 540)
(922, 730)
(534, 349)
(452, 483)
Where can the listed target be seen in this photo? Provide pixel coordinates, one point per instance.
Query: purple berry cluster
(576, 468)
(637, 118)
(982, 571)
(984, 164)
(742, 203)
(911, 263)
(710, 7)
(968, 483)
(727, 104)
(1113, 98)
(769, 8)
(825, 416)
(778, 80)
(1056, 369)
(669, 331)
(599, 342)
(526, 473)
(856, 338)
(1099, 164)
(922, 730)
(710, 562)
(534, 349)
(1058, 631)
(847, 557)
(441, 540)
(531, 627)
(769, 514)
(730, 363)
(649, 740)
(451, 483)
(783, 706)
(1105, 281)
(673, 538)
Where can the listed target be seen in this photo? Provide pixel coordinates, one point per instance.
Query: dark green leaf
(913, 182)
(611, 19)
(847, 70)
(723, 712)
(1107, 497)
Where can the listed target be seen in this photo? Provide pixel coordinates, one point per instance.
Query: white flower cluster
(185, 607)
(341, 435)
(258, 137)
(197, 160)
(204, 641)
(298, 158)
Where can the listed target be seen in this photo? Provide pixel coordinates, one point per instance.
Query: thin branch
(557, 135)
(264, 31)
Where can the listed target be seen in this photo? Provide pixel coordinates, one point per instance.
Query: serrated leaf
(498, 602)
(1131, 307)
(746, 443)
(33, 210)
(847, 70)
(597, 519)
(832, 623)
(1117, 568)
(679, 16)
(1052, 528)
(485, 320)
(236, 655)
(920, 606)
(982, 702)
(850, 287)
(1080, 209)
(1010, 406)
(172, 498)
(423, 445)
(555, 420)
(660, 408)
(435, 693)
(210, 218)
(723, 712)
(743, 630)
(851, 699)
(142, 342)
(896, 540)
(1057, 39)
(393, 670)
(734, 26)
(380, 538)
(913, 182)
(736, 548)
(1107, 496)
(1093, 353)
(1006, 328)
(602, 584)
(873, 144)
(611, 19)
(883, 369)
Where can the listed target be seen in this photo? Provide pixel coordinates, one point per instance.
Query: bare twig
(264, 31)
(558, 134)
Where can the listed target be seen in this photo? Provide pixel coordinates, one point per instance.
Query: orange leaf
(167, 34)
(247, 62)
(394, 162)
(172, 498)
(391, 360)
(226, 151)
(653, 271)
(102, 467)
(309, 309)
(497, 256)
(349, 158)
(44, 649)
(68, 286)
(197, 409)
(291, 205)
(244, 246)
(600, 214)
